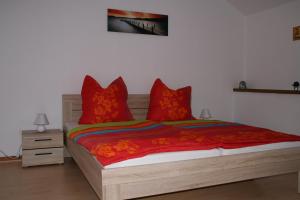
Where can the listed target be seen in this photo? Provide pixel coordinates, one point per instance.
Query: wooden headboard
(137, 103)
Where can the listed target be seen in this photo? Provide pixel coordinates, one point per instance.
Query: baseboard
(10, 159)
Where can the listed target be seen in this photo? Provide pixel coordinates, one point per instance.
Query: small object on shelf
(243, 85)
(42, 148)
(205, 114)
(296, 33)
(41, 120)
(296, 85)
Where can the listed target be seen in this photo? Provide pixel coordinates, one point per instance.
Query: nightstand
(42, 148)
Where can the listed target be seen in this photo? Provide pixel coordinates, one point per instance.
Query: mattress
(159, 157)
(189, 155)
(166, 157)
(259, 148)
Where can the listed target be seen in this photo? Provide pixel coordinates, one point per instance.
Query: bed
(151, 179)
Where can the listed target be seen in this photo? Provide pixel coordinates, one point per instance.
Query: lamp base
(41, 128)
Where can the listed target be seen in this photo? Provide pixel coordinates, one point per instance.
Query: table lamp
(41, 120)
(205, 114)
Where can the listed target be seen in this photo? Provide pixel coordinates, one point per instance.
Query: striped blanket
(118, 141)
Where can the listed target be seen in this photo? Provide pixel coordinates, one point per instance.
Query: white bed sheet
(166, 157)
(259, 148)
(189, 155)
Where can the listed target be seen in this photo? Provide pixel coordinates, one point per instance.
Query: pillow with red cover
(104, 104)
(169, 105)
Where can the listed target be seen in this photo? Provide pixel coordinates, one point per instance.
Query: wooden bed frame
(153, 179)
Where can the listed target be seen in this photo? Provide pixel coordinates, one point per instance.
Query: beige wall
(272, 60)
(48, 46)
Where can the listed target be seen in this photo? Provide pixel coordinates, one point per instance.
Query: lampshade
(205, 114)
(41, 119)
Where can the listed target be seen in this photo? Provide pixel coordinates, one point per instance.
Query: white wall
(272, 60)
(46, 48)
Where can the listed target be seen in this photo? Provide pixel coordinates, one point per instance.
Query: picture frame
(137, 22)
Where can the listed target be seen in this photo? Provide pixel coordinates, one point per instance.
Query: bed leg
(112, 192)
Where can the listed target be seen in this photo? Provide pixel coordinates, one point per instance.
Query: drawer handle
(42, 154)
(40, 140)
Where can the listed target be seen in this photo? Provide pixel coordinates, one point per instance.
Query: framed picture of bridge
(137, 22)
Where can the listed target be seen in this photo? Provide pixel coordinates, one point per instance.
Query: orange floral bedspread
(118, 141)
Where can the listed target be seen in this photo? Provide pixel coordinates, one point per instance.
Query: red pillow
(104, 104)
(169, 105)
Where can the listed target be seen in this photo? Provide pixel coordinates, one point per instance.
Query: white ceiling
(248, 7)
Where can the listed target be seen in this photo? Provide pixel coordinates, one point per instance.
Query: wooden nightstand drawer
(42, 157)
(42, 148)
(33, 140)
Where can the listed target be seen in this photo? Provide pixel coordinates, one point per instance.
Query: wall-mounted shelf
(273, 91)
